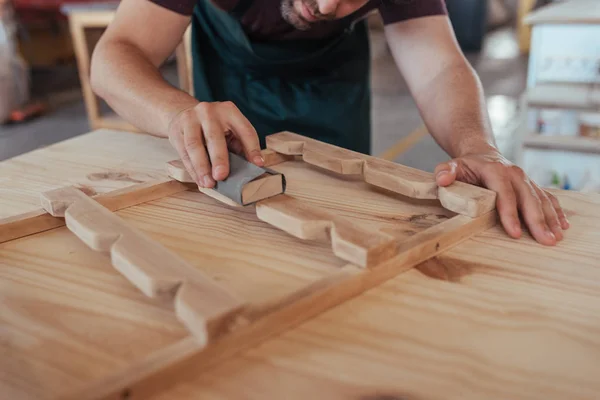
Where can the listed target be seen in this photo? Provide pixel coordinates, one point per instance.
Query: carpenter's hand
(540, 210)
(203, 134)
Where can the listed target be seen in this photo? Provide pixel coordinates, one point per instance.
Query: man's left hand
(540, 210)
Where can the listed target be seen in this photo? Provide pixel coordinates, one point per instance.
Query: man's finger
(445, 173)
(244, 131)
(214, 136)
(550, 213)
(194, 145)
(179, 146)
(235, 145)
(531, 210)
(506, 204)
(564, 222)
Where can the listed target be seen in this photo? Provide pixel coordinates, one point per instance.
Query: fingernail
(259, 160)
(442, 173)
(550, 235)
(566, 221)
(517, 227)
(208, 181)
(220, 172)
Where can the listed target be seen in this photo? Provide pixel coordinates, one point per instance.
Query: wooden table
(493, 318)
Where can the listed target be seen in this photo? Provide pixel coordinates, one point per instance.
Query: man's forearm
(134, 87)
(453, 108)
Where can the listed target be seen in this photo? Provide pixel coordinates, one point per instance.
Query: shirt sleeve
(183, 7)
(401, 10)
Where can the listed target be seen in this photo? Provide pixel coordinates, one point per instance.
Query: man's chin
(290, 15)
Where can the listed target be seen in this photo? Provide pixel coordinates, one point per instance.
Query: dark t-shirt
(263, 20)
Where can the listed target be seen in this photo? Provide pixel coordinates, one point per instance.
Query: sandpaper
(240, 173)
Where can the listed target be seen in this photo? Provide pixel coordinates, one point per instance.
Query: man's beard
(292, 16)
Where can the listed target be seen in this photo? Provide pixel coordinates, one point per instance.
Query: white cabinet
(563, 82)
(565, 53)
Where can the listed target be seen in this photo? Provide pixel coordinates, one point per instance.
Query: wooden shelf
(566, 143)
(572, 96)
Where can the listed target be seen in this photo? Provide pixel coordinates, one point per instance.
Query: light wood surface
(259, 263)
(260, 188)
(39, 220)
(263, 187)
(351, 241)
(493, 318)
(100, 162)
(201, 304)
(458, 197)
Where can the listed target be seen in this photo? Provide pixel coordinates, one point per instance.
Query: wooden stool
(87, 25)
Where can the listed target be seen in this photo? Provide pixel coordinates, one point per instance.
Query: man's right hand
(202, 135)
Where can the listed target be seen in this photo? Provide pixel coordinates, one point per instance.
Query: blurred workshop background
(539, 61)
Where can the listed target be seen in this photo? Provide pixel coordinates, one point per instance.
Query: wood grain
(177, 171)
(350, 241)
(459, 197)
(262, 187)
(68, 318)
(273, 158)
(260, 263)
(38, 221)
(158, 372)
(492, 318)
(100, 162)
(202, 305)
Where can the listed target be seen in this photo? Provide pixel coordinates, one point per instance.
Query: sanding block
(246, 183)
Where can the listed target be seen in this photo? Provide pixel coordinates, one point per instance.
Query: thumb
(445, 173)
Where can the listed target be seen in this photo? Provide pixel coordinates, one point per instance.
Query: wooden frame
(222, 325)
(79, 21)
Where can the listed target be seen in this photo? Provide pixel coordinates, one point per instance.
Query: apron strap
(240, 8)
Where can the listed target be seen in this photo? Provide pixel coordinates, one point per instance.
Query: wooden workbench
(493, 318)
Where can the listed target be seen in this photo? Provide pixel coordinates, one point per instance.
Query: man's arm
(125, 65)
(125, 73)
(451, 101)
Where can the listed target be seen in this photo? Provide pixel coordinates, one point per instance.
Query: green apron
(317, 88)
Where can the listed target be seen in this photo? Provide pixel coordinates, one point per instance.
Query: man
(303, 65)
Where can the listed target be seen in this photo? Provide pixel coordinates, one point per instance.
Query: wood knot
(447, 270)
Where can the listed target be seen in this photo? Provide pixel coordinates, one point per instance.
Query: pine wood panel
(68, 318)
(257, 262)
(492, 318)
(99, 162)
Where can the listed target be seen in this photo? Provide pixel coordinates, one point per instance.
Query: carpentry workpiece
(352, 242)
(459, 197)
(490, 318)
(203, 306)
